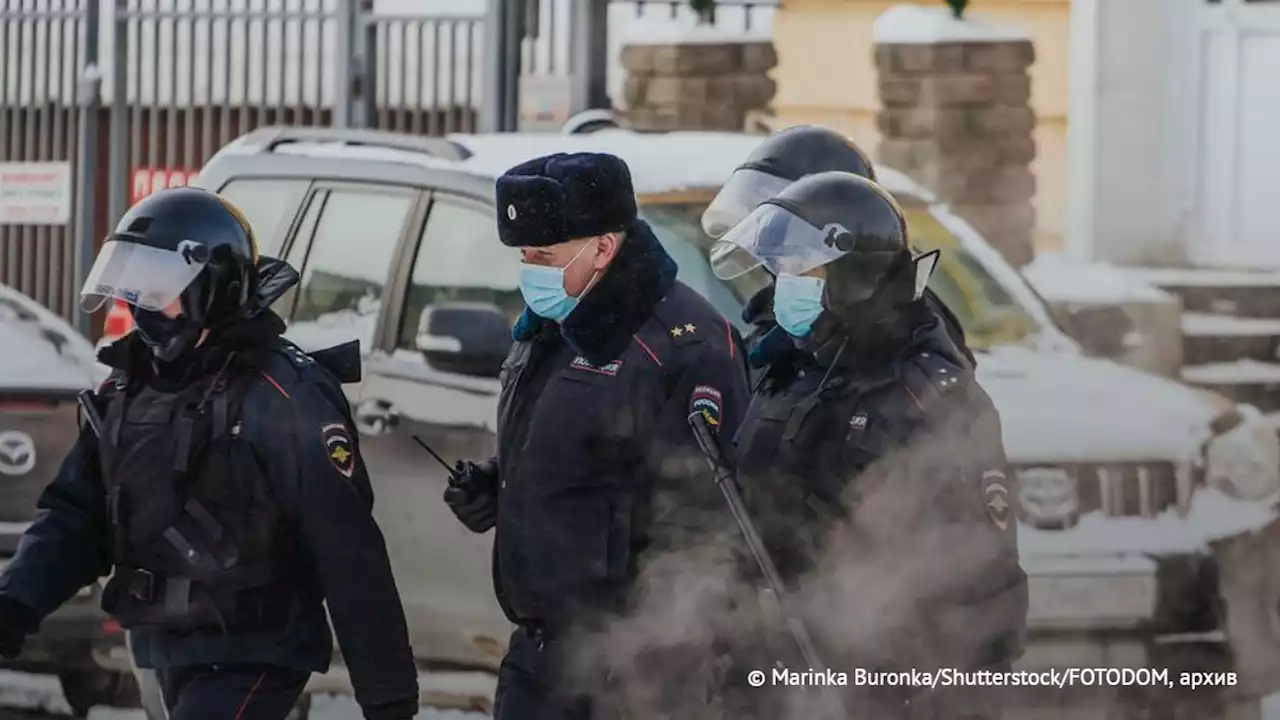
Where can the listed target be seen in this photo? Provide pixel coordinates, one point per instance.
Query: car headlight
(1242, 458)
(1048, 497)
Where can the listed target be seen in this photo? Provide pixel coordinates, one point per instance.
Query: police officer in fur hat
(218, 481)
(596, 469)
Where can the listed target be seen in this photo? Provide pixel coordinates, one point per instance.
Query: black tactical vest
(192, 521)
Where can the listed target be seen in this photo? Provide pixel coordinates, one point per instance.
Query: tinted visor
(744, 191)
(144, 276)
(771, 236)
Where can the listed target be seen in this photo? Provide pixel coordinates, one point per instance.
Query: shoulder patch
(338, 448)
(708, 401)
(995, 498)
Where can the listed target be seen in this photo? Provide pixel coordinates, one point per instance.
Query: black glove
(472, 495)
(17, 621)
(406, 709)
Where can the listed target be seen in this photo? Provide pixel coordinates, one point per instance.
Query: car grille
(1133, 489)
(52, 430)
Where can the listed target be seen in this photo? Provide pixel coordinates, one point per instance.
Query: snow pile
(1213, 516)
(649, 31)
(1063, 408)
(916, 25)
(1062, 279)
(1197, 277)
(1208, 325)
(1247, 371)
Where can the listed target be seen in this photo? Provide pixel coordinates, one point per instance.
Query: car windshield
(987, 311)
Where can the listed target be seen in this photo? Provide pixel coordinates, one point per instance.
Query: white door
(1238, 105)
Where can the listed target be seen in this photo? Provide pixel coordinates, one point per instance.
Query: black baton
(86, 398)
(728, 487)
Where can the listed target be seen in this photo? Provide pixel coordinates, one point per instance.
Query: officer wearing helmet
(875, 453)
(778, 161)
(218, 482)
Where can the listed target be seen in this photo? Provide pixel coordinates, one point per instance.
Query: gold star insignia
(690, 328)
(675, 332)
(998, 503)
(340, 454)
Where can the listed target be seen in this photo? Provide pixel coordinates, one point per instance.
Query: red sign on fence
(149, 180)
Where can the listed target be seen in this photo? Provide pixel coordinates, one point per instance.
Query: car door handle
(376, 417)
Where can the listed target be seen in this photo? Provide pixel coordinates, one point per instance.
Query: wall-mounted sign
(150, 179)
(35, 193)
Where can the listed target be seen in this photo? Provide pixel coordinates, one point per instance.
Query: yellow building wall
(826, 75)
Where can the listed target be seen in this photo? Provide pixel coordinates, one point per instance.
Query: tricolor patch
(338, 448)
(580, 363)
(995, 498)
(707, 401)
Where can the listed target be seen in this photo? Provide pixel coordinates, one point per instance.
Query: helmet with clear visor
(182, 244)
(778, 161)
(843, 223)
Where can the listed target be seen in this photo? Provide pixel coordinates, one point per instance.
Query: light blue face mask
(543, 289)
(797, 303)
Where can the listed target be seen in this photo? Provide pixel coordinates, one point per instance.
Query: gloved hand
(472, 495)
(406, 709)
(17, 621)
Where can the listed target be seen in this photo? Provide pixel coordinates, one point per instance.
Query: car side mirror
(466, 338)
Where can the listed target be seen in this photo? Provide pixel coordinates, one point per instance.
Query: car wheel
(85, 689)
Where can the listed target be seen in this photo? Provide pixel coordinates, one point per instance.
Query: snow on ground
(1062, 279)
(1232, 373)
(1213, 516)
(913, 24)
(1209, 325)
(1193, 277)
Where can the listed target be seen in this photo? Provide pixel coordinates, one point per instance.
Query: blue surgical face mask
(797, 303)
(543, 289)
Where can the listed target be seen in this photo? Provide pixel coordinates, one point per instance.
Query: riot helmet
(844, 224)
(780, 160)
(184, 244)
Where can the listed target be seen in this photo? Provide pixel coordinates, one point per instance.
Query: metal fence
(48, 119)
(104, 101)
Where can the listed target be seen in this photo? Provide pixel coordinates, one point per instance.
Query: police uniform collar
(600, 327)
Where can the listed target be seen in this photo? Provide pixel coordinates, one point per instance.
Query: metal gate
(48, 130)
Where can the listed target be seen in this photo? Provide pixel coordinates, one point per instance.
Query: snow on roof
(650, 31)
(41, 363)
(660, 162)
(1062, 279)
(915, 25)
(1213, 516)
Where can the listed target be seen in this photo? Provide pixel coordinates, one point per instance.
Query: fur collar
(600, 327)
(250, 340)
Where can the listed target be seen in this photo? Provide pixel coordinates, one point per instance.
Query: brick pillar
(694, 84)
(956, 117)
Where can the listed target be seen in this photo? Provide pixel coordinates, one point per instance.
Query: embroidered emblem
(511, 212)
(707, 401)
(338, 447)
(580, 363)
(858, 422)
(995, 498)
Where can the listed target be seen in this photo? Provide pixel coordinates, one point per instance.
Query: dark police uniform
(909, 448)
(598, 468)
(226, 531)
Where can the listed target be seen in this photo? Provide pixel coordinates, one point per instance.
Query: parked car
(44, 365)
(395, 239)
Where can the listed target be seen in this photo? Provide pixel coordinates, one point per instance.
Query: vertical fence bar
(121, 133)
(170, 105)
(90, 102)
(189, 160)
(9, 143)
(30, 103)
